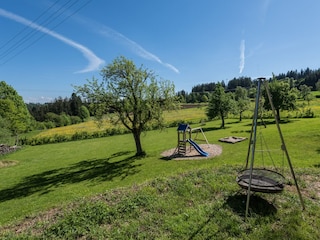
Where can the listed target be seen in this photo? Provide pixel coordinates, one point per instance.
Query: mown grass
(57, 175)
(198, 204)
(154, 197)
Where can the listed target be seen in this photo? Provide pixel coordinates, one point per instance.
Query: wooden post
(283, 143)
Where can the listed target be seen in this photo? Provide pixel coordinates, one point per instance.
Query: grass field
(137, 198)
(55, 175)
(188, 115)
(191, 115)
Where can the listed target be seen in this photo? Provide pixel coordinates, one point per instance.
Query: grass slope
(198, 204)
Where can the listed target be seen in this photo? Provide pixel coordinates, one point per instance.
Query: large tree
(283, 98)
(14, 110)
(132, 94)
(305, 92)
(220, 104)
(5, 133)
(318, 85)
(242, 100)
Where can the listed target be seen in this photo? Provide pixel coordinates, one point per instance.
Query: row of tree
(65, 111)
(73, 107)
(306, 76)
(200, 93)
(284, 97)
(16, 117)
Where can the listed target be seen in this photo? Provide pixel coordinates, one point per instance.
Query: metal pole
(250, 141)
(283, 143)
(253, 144)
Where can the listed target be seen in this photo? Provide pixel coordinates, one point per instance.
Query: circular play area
(188, 147)
(192, 154)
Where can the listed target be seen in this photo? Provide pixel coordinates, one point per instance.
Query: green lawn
(50, 175)
(56, 175)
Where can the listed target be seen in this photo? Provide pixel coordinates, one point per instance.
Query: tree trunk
(222, 119)
(136, 134)
(278, 114)
(240, 118)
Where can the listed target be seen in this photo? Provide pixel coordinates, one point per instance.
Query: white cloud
(242, 56)
(135, 47)
(173, 68)
(94, 61)
(265, 5)
(255, 49)
(41, 99)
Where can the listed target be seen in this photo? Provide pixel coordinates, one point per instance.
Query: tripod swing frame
(261, 179)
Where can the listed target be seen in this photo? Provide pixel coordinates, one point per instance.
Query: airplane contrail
(242, 56)
(94, 61)
(135, 47)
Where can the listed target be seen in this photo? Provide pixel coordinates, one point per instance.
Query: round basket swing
(262, 180)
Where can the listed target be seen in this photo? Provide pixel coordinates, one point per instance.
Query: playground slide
(198, 148)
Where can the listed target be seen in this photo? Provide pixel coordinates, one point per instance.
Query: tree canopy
(242, 100)
(283, 98)
(134, 96)
(13, 109)
(220, 104)
(305, 92)
(70, 106)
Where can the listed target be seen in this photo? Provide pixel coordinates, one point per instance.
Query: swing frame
(255, 179)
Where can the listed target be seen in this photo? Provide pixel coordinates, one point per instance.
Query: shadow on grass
(207, 129)
(237, 203)
(266, 122)
(242, 131)
(258, 205)
(87, 170)
(233, 122)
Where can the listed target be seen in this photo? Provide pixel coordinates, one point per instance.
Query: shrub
(84, 113)
(75, 119)
(49, 124)
(308, 113)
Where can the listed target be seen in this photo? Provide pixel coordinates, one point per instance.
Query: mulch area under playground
(191, 154)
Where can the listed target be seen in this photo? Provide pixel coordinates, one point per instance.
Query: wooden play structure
(184, 136)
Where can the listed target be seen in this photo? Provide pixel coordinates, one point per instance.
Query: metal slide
(198, 148)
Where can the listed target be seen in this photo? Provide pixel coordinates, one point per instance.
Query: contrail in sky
(135, 47)
(242, 57)
(94, 61)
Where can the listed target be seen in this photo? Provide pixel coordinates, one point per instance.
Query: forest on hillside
(201, 92)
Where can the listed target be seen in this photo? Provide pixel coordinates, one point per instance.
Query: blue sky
(48, 46)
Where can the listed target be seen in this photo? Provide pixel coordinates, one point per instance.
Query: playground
(188, 146)
(212, 150)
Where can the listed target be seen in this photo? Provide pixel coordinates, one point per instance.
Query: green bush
(305, 113)
(75, 119)
(49, 124)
